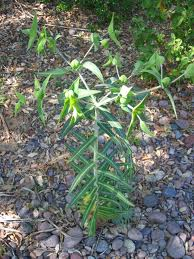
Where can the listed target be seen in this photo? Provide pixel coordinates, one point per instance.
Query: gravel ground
(34, 177)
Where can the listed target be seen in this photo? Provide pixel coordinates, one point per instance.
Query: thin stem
(95, 156)
(62, 56)
(117, 71)
(87, 87)
(149, 90)
(176, 79)
(87, 53)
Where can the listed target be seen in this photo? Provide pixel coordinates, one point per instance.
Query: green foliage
(103, 172)
(21, 102)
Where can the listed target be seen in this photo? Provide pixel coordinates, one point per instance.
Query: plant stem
(95, 150)
(149, 90)
(87, 53)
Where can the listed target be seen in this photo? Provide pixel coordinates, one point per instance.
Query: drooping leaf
(58, 72)
(83, 93)
(171, 100)
(94, 69)
(89, 209)
(111, 32)
(145, 128)
(33, 32)
(20, 103)
(114, 177)
(95, 39)
(189, 72)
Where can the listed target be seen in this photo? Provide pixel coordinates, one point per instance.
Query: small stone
(102, 246)
(157, 217)
(141, 255)
(90, 241)
(157, 235)
(150, 200)
(178, 134)
(24, 212)
(37, 252)
(153, 248)
(164, 120)
(42, 236)
(135, 234)
(101, 140)
(169, 192)
(26, 228)
(44, 226)
(72, 32)
(175, 247)
(162, 244)
(130, 246)
(146, 231)
(155, 176)
(117, 244)
(173, 227)
(189, 141)
(75, 236)
(50, 242)
(27, 182)
(35, 203)
(182, 124)
(63, 255)
(163, 103)
(76, 256)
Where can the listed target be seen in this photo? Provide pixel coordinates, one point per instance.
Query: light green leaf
(56, 72)
(89, 209)
(82, 93)
(171, 100)
(189, 72)
(111, 32)
(94, 69)
(92, 224)
(21, 102)
(114, 177)
(33, 32)
(95, 39)
(145, 128)
(80, 176)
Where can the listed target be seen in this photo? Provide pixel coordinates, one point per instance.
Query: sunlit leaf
(94, 69)
(111, 32)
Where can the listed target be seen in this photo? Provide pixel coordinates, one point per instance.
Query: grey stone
(178, 134)
(182, 124)
(63, 255)
(163, 103)
(73, 238)
(102, 246)
(44, 226)
(157, 235)
(155, 176)
(76, 256)
(173, 227)
(117, 244)
(157, 217)
(90, 241)
(130, 246)
(24, 212)
(101, 139)
(175, 247)
(164, 120)
(35, 203)
(153, 248)
(169, 192)
(150, 200)
(42, 236)
(141, 255)
(135, 234)
(162, 244)
(26, 228)
(50, 242)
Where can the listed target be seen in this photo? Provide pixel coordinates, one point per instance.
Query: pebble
(175, 247)
(173, 227)
(102, 246)
(75, 236)
(117, 244)
(182, 124)
(164, 120)
(163, 103)
(44, 226)
(26, 228)
(50, 242)
(141, 255)
(155, 176)
(150, 200)
(130, 246)
(169, 192)
(76, 256)
(135, 234)
(42, 236)
(189, 141)
(153, 248)
(157, 235)
(178, 134)
(63, 255)
(157, 217)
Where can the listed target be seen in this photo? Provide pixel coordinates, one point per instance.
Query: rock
(157, 235)
(27, 182)
(150, 200)
(24, 212)
(75, 236)
(189, 141)
(90, 241)
(76, 256)
(130, 246)
(44, 226)
(163, 103)
(146, 231)
(153, 248)
(42, 236)
(35, 203)
(155, 176)
(164, 120)
(72, 32)
(37, 252)
(101, 139)
(157, 217)
(182, 124)
(178, 134)
(173, 227)
(135, 234)
(26, 228)
(141, 255)
(102, 246)
(162, 244)
(175, 247)
(169, 192)
(63, 255)
(117, 244)
(50, 242)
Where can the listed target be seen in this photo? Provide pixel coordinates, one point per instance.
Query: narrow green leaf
(171, 100)
(89, 209)
(67, 127)
(111, 32)
(83, 93)
(80, 176)
(21, 102)
(94, 69)
(92, 224)
(58, 72)
(145, 128)
(83, 147)
(114, 177)
(82, 192)
(111, 162)
(33, 32)
(118, 194)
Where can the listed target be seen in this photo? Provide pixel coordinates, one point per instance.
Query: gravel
(157, 217)
(135, 234)
(175, 247)
(73, 238)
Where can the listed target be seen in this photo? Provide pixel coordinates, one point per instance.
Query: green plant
(103, 171)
